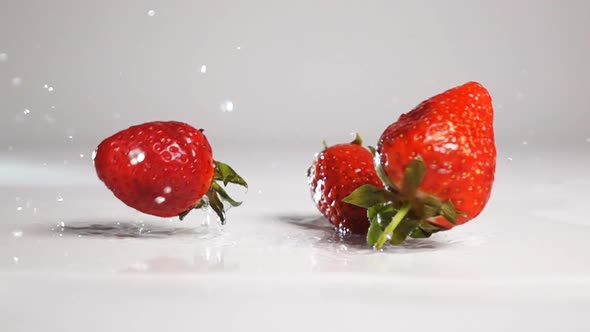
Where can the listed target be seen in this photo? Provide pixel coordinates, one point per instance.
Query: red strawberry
(439, 157)
(335, 173)
(164, 169)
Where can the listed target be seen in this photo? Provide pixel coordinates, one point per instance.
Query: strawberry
(164, 169)
(438, 162)
(334, 174)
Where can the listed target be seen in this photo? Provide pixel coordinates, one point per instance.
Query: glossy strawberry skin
(337, 171)
(453, 133)
(159, 168)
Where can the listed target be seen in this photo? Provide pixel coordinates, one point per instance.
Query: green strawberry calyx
(216, 195)
(396, 214)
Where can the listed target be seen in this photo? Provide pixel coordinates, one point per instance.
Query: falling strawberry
(164, 169)
(438, 162)
(335, 173)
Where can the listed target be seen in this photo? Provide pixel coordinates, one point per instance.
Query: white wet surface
(70, 251)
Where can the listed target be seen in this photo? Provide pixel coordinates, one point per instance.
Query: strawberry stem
(388, 232)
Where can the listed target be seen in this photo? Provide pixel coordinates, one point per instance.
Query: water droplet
(49, 118)
(525, 143)
(151, 13)
(167, 190)
(238, 48)
(15, 259)
(19, 208)
(3, 57)
(588, 140)
(17, 81)
(203, 69)
(26, 111)
(136, 156)
(343, 247)
(93, 154)
(160, 200)
(227, 106)
(61, 224)
(509, 159)
(59, 198)
(116, 116)
(45, 86)
(259, 191)
(66, 162)
(10, 148)
(50, 89)
(81, 155)
(17, 233)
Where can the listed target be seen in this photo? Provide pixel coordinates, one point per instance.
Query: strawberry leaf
(357, 139)
(425, 229)
(403, 230)
(379, 169)
(448, 211)
(380, 216)
(374, 233)
(368, 195)
(414, 174)
(393, 224)
(226, 174)
(216, 205)
(223, 195)
(419, 233)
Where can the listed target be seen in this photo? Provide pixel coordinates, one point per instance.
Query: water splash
(227, 106)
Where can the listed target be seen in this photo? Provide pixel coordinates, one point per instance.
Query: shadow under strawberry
(120, 229)
(354, 241)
